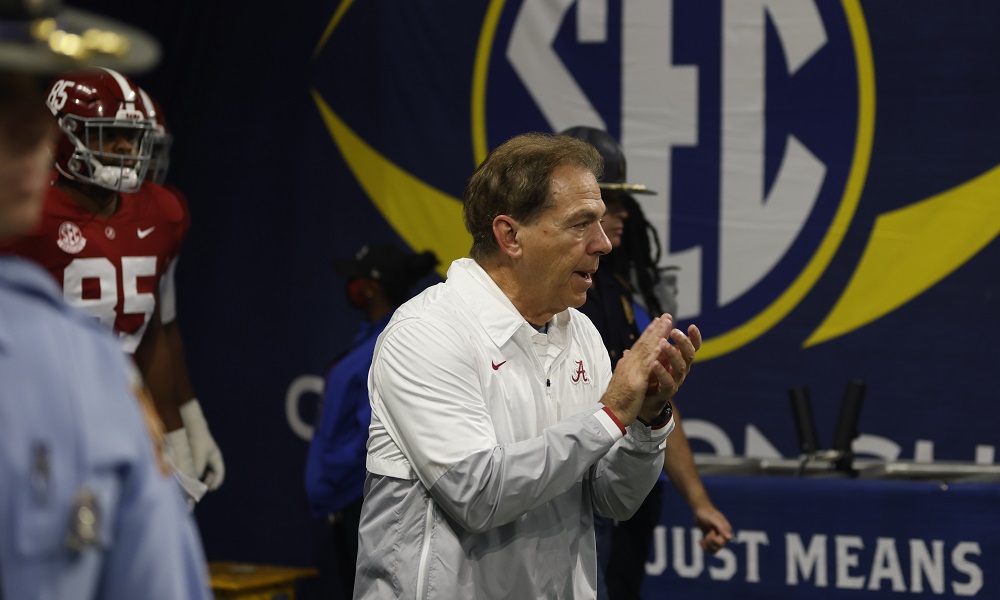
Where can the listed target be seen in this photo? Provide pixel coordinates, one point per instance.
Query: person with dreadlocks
(628, 287)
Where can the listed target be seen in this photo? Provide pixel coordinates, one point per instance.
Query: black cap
(395, 269)
(42, 37)
(614, 159)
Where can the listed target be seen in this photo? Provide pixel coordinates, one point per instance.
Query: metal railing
(825, 464)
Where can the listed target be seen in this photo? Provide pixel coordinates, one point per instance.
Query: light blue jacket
(85, 511)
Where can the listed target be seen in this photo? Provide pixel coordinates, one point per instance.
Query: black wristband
(661, 419)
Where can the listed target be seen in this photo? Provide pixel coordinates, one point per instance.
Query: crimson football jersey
(111, 268)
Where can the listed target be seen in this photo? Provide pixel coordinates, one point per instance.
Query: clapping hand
(649, 374)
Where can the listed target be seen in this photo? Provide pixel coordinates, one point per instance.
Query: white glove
(179, 451)
(192, 489)
(205, 453)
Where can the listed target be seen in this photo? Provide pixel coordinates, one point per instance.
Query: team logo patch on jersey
(579, 373)
(109, 232)
(71, 240)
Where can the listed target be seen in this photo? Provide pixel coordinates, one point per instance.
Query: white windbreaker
(486, 467)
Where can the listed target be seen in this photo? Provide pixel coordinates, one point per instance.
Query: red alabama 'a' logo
(581, 373)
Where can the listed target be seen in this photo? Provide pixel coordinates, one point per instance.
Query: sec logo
(752, 119)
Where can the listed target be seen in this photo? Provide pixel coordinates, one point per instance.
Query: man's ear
(361, 291)
(505, 231)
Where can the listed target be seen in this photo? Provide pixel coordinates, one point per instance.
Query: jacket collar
(494, 310)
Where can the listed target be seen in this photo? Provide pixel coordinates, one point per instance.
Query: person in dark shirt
(628, 287)
(377, 281)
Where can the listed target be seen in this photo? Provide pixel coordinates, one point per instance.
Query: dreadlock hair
(638, 254)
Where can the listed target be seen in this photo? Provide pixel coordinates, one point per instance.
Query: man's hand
(205, 453)
(715, 528)
(676, 359)
(627, 393)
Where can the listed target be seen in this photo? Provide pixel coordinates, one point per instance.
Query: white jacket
(486, 467)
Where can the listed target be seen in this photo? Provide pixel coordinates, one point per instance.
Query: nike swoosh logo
(142, 233)
(497, 366)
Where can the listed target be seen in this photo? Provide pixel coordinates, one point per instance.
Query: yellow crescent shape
(479, 79)
(727, 342)
(337, 16)
(424, 217)
(913, 248)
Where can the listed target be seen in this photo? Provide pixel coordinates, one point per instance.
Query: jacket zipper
(425, 550)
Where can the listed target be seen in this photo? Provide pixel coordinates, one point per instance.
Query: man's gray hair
(514, 180)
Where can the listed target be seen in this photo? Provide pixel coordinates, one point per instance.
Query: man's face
(120, 141)
(561, 249)
(614, 220)
(27, 138)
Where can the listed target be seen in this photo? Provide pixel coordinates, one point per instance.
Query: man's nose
(123, 144)
(602, 245)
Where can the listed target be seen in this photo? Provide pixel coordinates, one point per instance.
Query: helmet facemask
(91, 163)
(159, 162)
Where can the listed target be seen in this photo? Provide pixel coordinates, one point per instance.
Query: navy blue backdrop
(825, 174)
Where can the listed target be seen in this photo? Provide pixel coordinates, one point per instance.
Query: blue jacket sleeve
(335, 469)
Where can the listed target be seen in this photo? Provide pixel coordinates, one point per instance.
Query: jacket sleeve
(335, 468)
(155, 551)
(623, 478)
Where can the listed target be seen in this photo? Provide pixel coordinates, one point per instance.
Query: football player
(109, 240)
